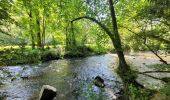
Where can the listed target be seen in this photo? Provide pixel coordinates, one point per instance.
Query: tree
(28, 5)
(114, 36)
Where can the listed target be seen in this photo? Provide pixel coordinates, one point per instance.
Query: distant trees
(32, 18)
(148, 25)
(38, 20)
(149, 19)
(5, 6)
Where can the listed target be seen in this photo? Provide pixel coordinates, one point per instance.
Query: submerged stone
(99, 82)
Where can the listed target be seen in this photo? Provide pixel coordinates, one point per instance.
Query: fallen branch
(161, 79)
(150, 76)
(156, 72)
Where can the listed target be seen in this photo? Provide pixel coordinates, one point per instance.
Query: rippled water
(72, 78)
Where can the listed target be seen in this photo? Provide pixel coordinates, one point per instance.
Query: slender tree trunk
(44, 31)
(38, 32)
(31, 30)
(53, 41)
(73, 40)
(67, 40)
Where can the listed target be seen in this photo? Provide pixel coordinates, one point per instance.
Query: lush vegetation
(35, 31)
(143, 25)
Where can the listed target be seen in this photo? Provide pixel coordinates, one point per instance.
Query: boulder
(98, 81)
(47, 93)
(1, 83)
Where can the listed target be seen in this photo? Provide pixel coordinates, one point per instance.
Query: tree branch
(159, 39)
(95, 21)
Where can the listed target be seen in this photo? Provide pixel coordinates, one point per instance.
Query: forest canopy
(45, 22)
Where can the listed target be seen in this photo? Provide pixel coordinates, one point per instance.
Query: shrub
(50, 55)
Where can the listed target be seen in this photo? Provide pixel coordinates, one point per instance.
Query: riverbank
(153, 75)
(17, 56)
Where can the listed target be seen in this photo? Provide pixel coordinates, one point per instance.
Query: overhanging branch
(95, 21)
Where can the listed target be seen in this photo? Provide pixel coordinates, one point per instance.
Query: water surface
(72, 78)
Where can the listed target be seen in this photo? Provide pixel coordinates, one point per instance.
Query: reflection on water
(71, 77)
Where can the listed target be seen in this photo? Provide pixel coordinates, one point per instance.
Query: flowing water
(72, 78)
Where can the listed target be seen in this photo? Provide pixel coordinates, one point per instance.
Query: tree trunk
(38, 32)
(67, 41)
(73, 40)
(123, 67)
(43, 33)
(31, 30)
(116, 40)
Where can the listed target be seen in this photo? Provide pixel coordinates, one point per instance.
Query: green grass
(137, 93)
(8, 47)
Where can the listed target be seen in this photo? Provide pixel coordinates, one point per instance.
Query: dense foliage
(47, 22)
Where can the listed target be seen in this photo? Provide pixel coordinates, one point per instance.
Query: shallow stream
(72, 78)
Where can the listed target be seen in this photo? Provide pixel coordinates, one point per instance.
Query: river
(71, 77)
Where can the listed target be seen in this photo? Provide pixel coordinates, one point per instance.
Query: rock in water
(99, 82)
(47, 93)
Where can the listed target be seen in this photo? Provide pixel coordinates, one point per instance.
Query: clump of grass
(137, 93)
(90, 94)
(165, 91)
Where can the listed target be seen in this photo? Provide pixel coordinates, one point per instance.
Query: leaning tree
(114, 36)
